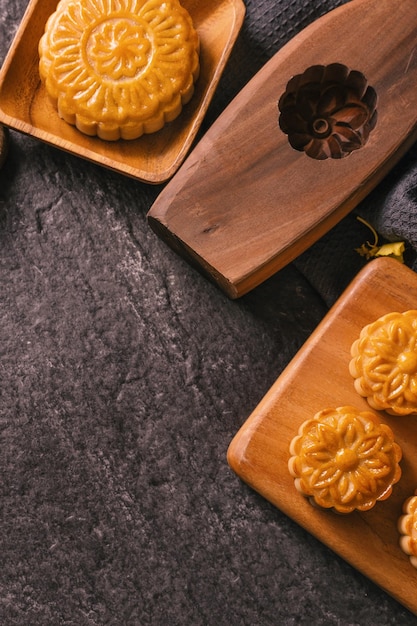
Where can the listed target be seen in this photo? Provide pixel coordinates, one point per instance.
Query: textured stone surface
(124, 376)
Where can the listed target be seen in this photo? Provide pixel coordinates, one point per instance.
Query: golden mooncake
(119, 68)
(345, 460)
(407, 526)
(384, 363)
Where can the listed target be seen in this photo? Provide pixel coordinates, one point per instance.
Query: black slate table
(124, 376)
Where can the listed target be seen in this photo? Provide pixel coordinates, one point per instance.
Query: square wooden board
(25, 106)
(318, 377)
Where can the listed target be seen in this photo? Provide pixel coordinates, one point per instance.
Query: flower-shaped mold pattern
(384, 363)
(328, 111)
(407, 527)
(119, 68)
(345, 460)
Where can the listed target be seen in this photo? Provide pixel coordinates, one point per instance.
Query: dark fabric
(124, 376)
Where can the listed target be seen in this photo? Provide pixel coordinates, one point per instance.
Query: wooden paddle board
(318, 377)
(250, 197)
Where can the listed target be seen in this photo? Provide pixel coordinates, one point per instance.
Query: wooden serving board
(244, 202)
(25, 106)
(318, 377)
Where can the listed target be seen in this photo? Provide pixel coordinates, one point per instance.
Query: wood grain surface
(245, 203)
(318, 377)
(25, 106)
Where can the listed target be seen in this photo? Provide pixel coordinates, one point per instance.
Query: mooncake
(407, 526)
(119, 68)
(344, 459)
(384, 363)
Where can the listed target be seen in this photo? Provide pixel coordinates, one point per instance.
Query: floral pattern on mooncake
(119, 68)
(384, 363)
(407, 526)
(345, 460)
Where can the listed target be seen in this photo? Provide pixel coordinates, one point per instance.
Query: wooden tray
(318, 377)
(245, 203)
(24, 104)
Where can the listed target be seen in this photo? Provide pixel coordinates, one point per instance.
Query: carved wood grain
(245, 203)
